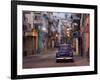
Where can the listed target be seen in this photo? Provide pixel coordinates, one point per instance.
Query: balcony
(37, 21)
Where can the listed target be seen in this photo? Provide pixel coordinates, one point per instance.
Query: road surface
(48, 59)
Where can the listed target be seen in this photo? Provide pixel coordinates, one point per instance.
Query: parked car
(65, 52)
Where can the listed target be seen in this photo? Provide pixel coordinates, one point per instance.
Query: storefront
(30, 43)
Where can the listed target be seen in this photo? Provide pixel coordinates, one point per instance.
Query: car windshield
(64, 46)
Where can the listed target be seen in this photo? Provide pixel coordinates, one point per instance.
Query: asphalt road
(48, 59)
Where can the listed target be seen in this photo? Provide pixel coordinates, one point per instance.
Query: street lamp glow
(56, 35)
(75, 24)
(68, 29)
(67, 32)
(44, 29)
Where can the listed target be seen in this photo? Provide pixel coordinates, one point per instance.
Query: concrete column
(31, 19)
(59, 30)
(77, 47)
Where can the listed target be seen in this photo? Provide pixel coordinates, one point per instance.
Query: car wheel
(57, 61)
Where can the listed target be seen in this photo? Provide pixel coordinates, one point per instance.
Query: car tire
(57, 61)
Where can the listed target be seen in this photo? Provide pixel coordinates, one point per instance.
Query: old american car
(65, 52)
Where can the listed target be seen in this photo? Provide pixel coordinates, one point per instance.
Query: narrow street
(48, 59)
(44, 32)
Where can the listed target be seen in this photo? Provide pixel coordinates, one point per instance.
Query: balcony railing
(37, 21)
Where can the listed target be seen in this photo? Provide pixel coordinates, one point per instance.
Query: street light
(44, 29)
(56, 35)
